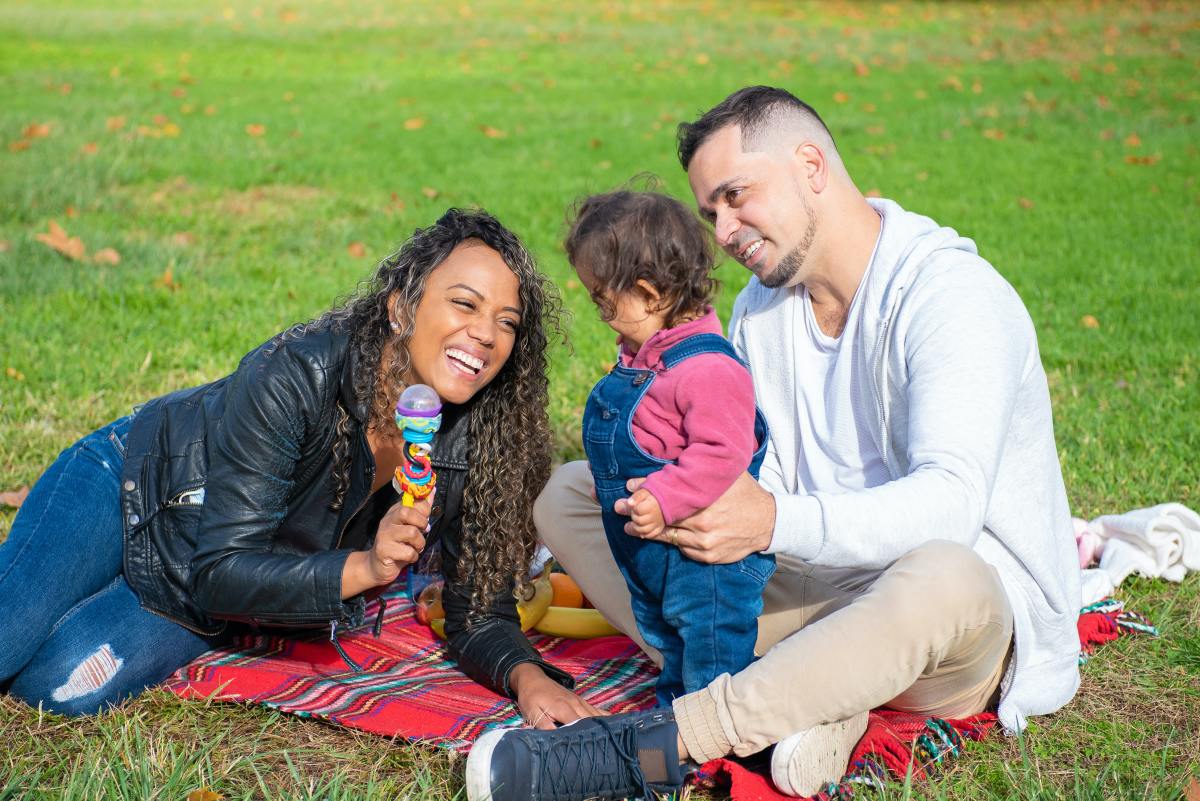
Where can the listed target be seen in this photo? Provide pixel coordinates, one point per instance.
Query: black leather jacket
(226, 496)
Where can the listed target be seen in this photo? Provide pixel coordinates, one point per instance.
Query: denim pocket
(758, 566)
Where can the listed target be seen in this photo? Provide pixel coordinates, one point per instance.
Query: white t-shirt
(834, 450)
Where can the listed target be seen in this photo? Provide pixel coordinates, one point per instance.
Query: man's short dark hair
(751, 109)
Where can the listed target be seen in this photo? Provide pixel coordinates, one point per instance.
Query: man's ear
(812, 166)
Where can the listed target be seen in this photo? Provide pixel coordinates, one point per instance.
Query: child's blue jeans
(73, 636)
(702, 618)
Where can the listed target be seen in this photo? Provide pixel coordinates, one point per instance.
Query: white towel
(1158, 542)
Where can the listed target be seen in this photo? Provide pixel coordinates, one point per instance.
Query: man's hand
(544, 703)
(645, 515)
(398, 543)
(739, 523)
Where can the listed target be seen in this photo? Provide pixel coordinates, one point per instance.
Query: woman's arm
(273, 404)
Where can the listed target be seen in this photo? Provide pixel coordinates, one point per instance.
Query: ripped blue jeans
(73, 636)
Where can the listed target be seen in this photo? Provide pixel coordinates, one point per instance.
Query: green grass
(1060, 136)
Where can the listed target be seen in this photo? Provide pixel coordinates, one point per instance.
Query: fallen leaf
(994, 134)
(861, 69)
(167, 280)
(5, 246)
(179, 92)
(1025, 202)
(89, 149)
(14, 374)
(840, 97)
(1107, 135)
(183, 239)
(492, 133)
(19, 145)
(414, 123)
(1143, 160)
(106, 256)
(36, 130)
(56, 238)
(160, 119)
(357, 250)
(1193, 790)
(115, 123)
(953, 82)
(254, 129)
(572, 283)
(702, 58)
(14, 498)
(286, 16)
(429, 192)
(1088, 321)
(71, 212)
(204, 794)
(594, 143)
(171, 130)
(210, 110)
(1133, 140)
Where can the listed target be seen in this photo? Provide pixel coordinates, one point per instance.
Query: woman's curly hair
(510, 441)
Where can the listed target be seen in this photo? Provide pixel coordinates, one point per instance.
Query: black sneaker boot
(633, 755)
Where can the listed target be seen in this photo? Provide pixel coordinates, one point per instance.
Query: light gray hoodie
(951, 377)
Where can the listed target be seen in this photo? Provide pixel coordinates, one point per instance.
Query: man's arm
(969, 344)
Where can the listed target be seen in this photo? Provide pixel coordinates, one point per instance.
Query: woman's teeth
(465, 359)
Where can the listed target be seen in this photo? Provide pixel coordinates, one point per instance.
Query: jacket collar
(649, 356)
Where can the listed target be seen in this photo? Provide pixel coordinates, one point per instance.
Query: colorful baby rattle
(419, 416)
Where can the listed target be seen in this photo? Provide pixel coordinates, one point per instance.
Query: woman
(264, 498)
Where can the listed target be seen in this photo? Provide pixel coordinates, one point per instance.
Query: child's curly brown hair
(624, 236)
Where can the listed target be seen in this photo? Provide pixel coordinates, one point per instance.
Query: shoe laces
(590, 765)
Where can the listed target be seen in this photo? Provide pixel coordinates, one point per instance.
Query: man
(911, 494)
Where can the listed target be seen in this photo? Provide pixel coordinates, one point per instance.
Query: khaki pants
(929, 634)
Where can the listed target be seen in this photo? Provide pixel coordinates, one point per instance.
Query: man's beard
(792, 261)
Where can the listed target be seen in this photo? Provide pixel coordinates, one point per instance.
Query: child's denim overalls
(702, 618)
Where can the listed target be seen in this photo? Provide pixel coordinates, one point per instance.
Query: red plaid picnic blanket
(409, 688)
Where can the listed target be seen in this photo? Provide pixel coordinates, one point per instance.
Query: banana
(532, 610)
(579, 624)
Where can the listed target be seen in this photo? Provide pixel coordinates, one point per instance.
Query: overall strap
(697, 345)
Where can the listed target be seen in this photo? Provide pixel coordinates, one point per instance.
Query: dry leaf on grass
(89, 149)
(106, 256)
(204, 794)
(14, 498)
(1089, 321)
(14, 374)
(5, 246)
(492, 133)
(414, 123)
(1025, 202)
(167, 280)
(256, 130)
(56, 238)
(357, 249)
(1192, 793)
(36, 130)
(430, 192)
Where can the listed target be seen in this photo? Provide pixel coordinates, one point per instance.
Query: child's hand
(645, 515)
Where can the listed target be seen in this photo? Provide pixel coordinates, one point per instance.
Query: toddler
(678, 410)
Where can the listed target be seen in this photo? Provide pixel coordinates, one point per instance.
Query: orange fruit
(566, 591)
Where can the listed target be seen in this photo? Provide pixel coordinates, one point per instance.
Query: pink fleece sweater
(699, 413)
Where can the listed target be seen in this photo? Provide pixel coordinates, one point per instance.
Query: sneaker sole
(479, 765)
(845, 736)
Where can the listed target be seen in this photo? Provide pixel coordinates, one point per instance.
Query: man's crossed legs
(930, 634)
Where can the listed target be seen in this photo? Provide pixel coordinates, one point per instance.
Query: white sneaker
(805, 762)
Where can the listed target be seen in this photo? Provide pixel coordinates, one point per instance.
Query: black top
(226, 495)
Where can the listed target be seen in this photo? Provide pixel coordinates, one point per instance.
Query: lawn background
(249, 163)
